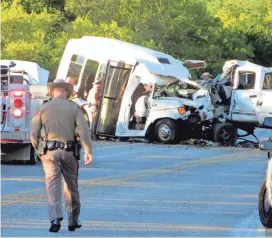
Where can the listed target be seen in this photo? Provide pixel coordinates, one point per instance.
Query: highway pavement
(138, 189)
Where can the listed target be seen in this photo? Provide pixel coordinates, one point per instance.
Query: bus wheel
(165, 131)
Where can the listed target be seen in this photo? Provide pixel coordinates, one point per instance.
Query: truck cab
(243, 95)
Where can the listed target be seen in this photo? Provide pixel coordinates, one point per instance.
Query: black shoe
(74, 227)
(55, 225)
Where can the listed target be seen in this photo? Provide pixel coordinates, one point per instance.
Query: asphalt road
(146, 190)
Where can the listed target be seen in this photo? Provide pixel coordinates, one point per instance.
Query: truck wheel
(265, 210)
(165, 131)
(225, 133)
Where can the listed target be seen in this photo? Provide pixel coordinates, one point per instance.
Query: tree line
(210, 30)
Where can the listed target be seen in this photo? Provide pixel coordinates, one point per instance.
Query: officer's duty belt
(67, 145)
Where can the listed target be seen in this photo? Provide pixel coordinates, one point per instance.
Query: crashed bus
(125, 70)
(23, 91)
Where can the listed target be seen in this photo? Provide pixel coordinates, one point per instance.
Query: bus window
(88, 77)
(75, 68)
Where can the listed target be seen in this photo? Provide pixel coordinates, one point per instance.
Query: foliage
(211, 30)
(28, 36)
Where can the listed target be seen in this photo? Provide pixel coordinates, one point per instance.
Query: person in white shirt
(141, 106)
(73, 81)
(206, 79)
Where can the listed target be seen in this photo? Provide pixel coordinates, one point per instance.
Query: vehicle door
(128, 125)
(245, 96)
(264, 106)
(115, 81)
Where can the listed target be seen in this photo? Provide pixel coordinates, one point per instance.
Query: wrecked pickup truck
(242, 99)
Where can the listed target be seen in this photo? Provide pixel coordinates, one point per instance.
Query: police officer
(61, 120)
(94, 98)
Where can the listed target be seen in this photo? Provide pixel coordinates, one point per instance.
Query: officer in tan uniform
(61, 120)
(94, 98)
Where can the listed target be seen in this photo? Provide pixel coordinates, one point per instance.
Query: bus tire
(165, 131)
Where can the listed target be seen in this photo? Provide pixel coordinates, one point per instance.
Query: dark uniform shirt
(62, 120)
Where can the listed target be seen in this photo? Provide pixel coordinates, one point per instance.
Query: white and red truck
(23, 91)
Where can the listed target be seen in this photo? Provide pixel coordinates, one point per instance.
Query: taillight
(17, 113)
(18, 103)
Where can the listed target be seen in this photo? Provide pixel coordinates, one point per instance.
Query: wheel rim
(164, 132)
(226, 136)
(266, 204)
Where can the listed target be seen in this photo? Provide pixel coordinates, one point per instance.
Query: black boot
(74, 227)
(55, 225)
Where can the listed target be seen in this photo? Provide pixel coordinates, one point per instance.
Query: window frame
(78, 78)
(247, 72)
(267, 74)
(81, 78)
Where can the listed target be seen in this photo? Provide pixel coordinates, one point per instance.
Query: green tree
(251, 20)
(28, 36)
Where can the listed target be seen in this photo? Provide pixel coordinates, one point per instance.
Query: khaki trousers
(55, 163)
(94, 116)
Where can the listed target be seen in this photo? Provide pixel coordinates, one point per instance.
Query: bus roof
(103, 49)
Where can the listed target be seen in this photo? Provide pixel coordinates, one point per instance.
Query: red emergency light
(18, 103)
(17, 113)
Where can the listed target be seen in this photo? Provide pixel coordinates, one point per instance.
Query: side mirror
(12, 64)
(266, 145)
(268, 122)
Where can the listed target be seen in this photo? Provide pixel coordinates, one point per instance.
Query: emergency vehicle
(125, 68)
(20, 98)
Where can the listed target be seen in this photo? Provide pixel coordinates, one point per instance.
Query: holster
(76, 150)
(42, 147)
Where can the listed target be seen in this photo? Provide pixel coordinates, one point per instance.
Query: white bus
(175, 106)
